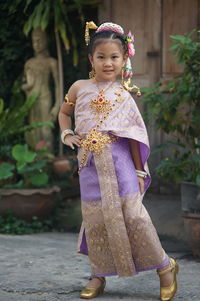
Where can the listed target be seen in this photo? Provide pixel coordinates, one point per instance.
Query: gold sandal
(91, 292)
(168, 292)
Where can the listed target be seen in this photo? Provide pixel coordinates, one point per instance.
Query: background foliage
(176, 110)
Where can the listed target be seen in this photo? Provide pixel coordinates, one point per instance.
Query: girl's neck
(96, 80)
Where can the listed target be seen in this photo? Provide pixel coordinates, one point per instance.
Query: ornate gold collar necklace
(101, 104)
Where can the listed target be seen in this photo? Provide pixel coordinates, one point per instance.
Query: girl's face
(108, 60)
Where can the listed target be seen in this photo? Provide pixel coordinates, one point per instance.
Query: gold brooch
(95, 141)
(100, 104)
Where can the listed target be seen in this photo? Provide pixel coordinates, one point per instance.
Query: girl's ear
(90, 59)
(125, 59)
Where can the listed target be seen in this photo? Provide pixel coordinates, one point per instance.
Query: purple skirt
(125, 173)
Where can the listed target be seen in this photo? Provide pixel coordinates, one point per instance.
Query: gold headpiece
(89, 25)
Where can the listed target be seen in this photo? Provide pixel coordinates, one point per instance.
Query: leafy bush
(28, 169)
(175, 109)
(9, 224)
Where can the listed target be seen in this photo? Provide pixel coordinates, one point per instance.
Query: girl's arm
(64, 117)
(135, 152)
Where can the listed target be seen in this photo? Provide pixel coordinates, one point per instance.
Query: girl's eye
(114, 56)
(100, 57)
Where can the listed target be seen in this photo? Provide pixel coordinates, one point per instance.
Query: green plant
(9, 224)
(12, 119)
(28, 169)
(175, 109)
(13, 123)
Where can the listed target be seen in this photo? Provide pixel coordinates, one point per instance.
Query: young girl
(117, 233)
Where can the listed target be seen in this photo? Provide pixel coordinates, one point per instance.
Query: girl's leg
(95, 282)
(165, 279)
(168, 281)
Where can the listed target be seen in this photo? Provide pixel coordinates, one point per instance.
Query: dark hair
(107, 34)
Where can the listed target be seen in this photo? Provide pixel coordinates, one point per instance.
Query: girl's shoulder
(79, 84)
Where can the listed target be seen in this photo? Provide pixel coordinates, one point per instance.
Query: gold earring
(92, 74)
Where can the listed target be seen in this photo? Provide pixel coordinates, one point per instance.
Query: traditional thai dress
(117, 233)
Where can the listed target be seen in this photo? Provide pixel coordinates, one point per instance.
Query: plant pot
(61, 165)
(190, 197)
(26, 203)
(192, 229)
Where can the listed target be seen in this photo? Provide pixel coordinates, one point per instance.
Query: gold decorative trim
(68, 102)
(113, 215)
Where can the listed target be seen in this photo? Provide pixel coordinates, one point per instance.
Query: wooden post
(154, 53)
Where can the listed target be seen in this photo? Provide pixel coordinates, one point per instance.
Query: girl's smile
(108, 60)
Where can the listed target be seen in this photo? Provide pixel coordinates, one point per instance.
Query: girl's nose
(107, 62)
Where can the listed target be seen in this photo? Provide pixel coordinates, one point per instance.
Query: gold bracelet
(68, 102)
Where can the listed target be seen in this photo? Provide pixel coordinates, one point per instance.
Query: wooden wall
(152, 22)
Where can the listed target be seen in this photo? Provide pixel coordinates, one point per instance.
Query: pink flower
(130, 40)
(40, 144)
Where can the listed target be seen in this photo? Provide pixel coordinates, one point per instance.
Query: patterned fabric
(118, 230)
(124, 169)
(147, 253)
(117, 233)
(124, 121)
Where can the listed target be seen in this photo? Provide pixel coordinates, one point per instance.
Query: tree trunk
(60, 78)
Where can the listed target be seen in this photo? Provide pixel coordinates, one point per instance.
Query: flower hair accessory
(128, 72)
(130, 45)
(110, 26)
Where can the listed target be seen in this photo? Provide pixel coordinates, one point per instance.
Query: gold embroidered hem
(147, 252)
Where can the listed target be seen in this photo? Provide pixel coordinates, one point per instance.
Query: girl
(117, 233)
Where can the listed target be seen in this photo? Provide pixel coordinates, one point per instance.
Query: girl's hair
(98, 38)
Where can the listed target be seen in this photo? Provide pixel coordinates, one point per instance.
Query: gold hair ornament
(126, 83)
(127, 86)
(89, 25)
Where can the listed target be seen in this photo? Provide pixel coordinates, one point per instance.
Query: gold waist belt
(94, 142)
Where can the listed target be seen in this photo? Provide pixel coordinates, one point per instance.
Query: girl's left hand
(141, 184)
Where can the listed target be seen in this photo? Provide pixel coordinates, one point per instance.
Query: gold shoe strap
(170, 267)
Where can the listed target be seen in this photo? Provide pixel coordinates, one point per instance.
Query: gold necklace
(100, 104)
(95, 141)
(104, 90)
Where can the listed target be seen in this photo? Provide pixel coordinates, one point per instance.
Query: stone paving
(46, 267)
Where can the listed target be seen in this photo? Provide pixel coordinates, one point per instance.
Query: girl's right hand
(72, 140)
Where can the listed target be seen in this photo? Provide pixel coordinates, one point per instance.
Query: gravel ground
(46, 267)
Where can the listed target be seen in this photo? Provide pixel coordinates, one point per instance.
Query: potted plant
(26, 182)
(175, 108)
